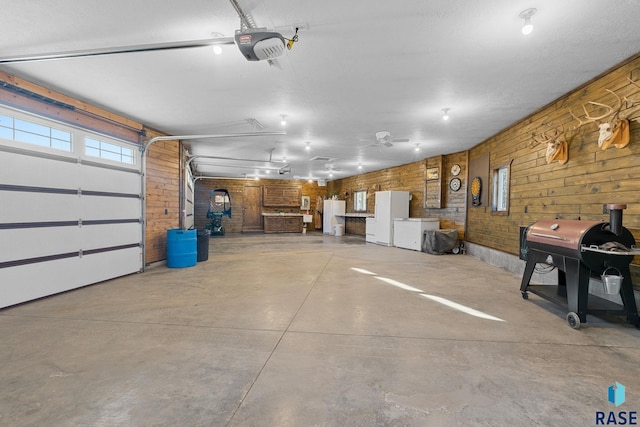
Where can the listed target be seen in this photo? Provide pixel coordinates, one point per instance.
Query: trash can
(203, 244)
(339, 229)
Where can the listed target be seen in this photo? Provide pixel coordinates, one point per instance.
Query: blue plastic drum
(182, 248)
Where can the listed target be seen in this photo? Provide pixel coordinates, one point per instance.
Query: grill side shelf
(634, 251)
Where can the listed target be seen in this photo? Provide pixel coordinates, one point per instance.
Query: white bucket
(339, 229)
(611, 282)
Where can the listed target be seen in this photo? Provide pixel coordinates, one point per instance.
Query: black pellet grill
(580, 250)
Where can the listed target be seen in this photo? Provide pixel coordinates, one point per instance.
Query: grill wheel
(573, 320)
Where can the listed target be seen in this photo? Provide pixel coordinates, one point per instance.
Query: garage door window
(33, 133)
(109, 151)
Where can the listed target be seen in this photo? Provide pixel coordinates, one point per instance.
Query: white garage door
(70, 208)
(189, 197)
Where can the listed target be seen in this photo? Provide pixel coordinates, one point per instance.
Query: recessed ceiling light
(217, 49)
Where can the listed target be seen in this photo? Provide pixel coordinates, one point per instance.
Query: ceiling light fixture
(360, 166)
(308, 147)
(526, 14)
(283, 122)
(417, 149)
(445, 115)
(217, 49)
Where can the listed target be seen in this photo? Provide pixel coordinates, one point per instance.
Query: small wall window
(500, 193)
(360, 201)
(109, 151)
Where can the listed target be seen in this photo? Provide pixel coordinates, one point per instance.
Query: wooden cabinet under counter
(287, 223)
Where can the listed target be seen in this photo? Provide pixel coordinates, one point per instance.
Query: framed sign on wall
(433, 174)
(433, 183)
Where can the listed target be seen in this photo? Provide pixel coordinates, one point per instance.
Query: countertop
(417, 219)
(281, 214)
(357, 215)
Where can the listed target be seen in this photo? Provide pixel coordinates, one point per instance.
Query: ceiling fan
(385, 138)
(255, 44)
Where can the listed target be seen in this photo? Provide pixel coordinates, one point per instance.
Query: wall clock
(455, 184)
(455, 170)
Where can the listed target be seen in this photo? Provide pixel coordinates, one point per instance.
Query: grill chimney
(615, 218)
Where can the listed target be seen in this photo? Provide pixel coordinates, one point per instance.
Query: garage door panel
(28, 282)
(109, 180)
(104, 266)
(109, 235)
(25, 170)
(22, 207)
(20, 244)
(105, 208)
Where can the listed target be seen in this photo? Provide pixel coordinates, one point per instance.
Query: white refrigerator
(331, 208)
(389, 205)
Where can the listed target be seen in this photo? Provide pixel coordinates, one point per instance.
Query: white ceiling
(360, 66)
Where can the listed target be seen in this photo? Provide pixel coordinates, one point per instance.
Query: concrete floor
(280, 330)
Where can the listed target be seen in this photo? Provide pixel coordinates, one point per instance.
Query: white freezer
(408, 232)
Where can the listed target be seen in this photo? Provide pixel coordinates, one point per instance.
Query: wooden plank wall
(411, 177)
(235, 188)
(577, 190)
(163, 195)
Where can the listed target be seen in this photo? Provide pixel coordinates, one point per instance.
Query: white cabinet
(389, 205)
(407, 232)
(370, 230)
(332, 208)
